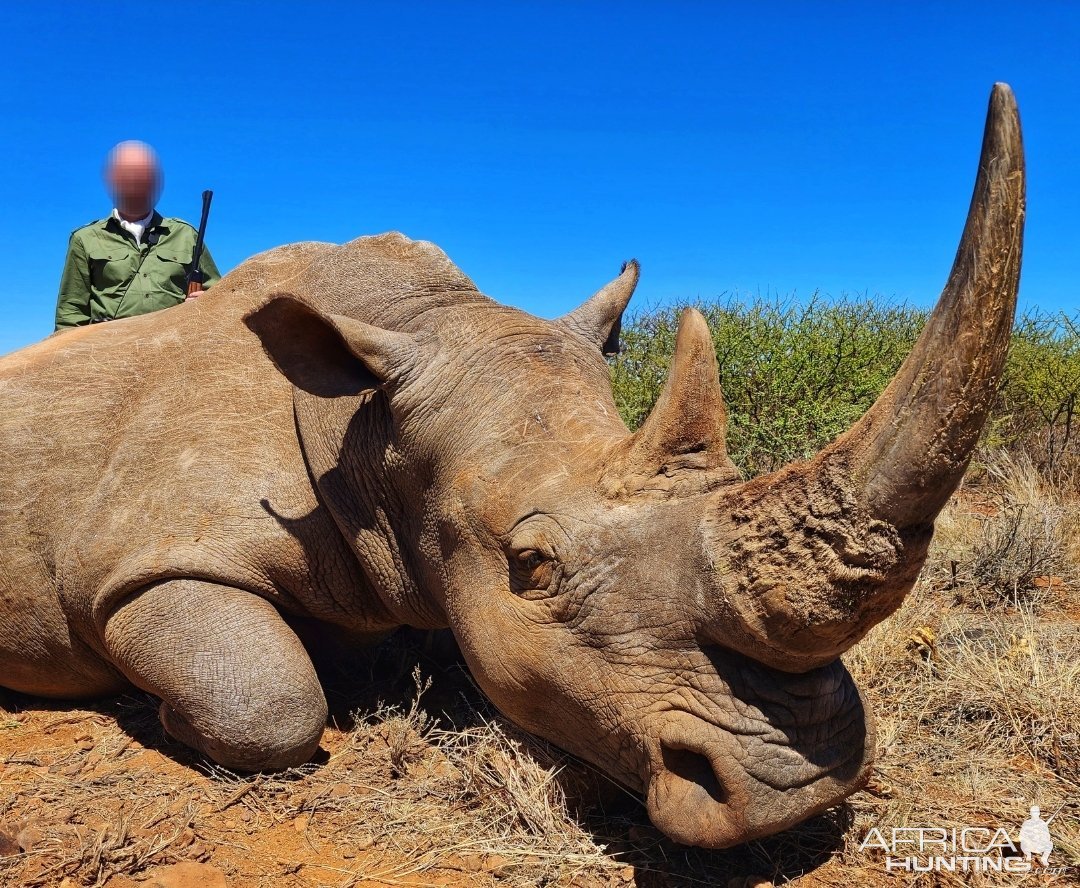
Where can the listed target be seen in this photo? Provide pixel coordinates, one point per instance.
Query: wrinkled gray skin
(354, 434)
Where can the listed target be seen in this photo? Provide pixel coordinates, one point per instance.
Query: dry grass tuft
(1014, 544)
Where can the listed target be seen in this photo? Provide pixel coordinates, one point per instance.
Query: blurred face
(133, 177)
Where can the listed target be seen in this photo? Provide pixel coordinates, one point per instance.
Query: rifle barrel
(194, 277)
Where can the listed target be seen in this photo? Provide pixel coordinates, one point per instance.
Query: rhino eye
(532, 574)
(531, 559)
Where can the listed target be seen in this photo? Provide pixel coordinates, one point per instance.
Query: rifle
(194, 279)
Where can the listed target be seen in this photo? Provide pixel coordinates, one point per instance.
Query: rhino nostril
(694, 768)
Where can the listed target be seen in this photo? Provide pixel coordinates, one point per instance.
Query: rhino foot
(234, 680)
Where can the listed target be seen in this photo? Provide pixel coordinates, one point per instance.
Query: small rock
(627, 874)
(496, 864)
(879, 786)
(8, 846)
(177, 807)
(301, 823)
(245, 815)
(340, 791)
(472, 863)
(363, 843)
(29, 837)
(186, 875)
(229, 824)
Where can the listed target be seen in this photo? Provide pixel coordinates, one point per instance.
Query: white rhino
(355, 435)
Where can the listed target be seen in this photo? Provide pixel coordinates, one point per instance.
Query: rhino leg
(234, 680)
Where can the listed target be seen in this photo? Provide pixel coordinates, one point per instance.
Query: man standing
(134, 261)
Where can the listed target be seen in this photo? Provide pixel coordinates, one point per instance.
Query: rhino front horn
(808, 559)
(910, 450)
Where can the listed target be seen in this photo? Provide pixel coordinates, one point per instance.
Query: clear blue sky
(753, 146)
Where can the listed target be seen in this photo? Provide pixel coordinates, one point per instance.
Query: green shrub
(1039, 403)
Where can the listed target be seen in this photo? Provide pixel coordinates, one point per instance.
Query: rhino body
(354, 435)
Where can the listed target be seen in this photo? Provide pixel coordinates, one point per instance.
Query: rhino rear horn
(686, 431)
(599, 318)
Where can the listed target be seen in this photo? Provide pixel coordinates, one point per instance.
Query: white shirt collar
(137, 227)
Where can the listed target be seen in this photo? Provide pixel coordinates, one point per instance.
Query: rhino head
(629, 596)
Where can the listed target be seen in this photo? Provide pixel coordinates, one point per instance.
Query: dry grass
(974, 683)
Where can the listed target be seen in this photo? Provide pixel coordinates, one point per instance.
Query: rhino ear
(329, 355)
(599, 318)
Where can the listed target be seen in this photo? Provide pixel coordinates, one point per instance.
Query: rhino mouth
(788, 747)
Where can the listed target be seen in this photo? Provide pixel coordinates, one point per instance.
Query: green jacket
(107, 275)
